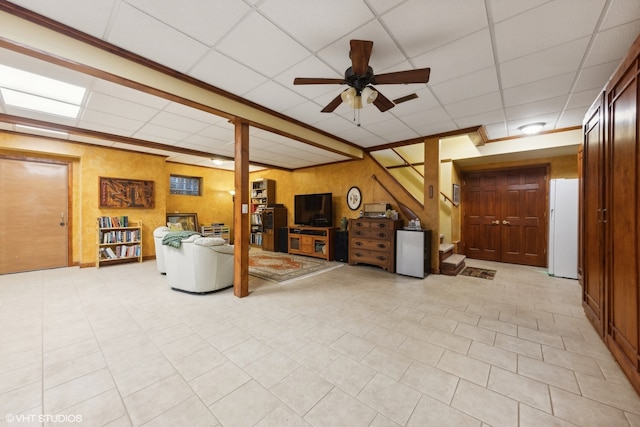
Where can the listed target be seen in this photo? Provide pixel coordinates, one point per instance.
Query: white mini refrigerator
(563, 228)
(413, 252)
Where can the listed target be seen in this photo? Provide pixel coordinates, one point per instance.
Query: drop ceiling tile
(218, 132)
(468, 86)
(381, 6)
(118, 107)
(317, 24)
(89, 17)
(392, 130)
(503, 9)
(612, 44)
(265, 48)
(594, 77)
(309, 67)
(436, 128)
(466, 55)
(146, 36)
(363, 138)
(419, 26)
(165, 133)
(496, 130)
(193, 113)
(127, 125)
(548, 25)
(582, 99)
(621, 12)
(571, 118)
(207, 22)
(539, 90)
(127, 94)
(479, 104)
(551, 62)
(479, 119)
(179, 123)
(274, 96)
(537, 108)
(226, 74)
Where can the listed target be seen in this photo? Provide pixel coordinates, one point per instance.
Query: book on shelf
(113, 221)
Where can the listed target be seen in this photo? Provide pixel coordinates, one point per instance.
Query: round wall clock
(354, 198)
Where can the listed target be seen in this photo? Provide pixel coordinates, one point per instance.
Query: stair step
(446, 247)
(453, 261)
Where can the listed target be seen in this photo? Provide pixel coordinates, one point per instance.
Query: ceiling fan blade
(333, 104)
(318, 81)
(405, 98)
(383, 103)
(420, 75)
(360, 54)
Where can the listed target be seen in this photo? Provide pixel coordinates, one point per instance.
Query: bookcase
(216, 230)
(118, 240)
(263, 194)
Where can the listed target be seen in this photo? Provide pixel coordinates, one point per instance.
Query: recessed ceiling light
(35, 92)
(217, 162)
(531, 128)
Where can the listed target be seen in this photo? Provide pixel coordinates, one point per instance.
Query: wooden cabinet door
(592, 225)
(622, 219)
(504, 216)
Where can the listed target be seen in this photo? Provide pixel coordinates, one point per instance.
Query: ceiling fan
(360, 79)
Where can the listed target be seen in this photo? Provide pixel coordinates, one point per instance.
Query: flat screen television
(313, 210)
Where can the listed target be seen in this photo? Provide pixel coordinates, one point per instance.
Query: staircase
(450, 264)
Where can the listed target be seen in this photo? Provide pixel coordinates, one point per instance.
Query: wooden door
(34, 211)
(592, 224)
(523, 219)
(504, 216)
(481, 201)
(622, 221)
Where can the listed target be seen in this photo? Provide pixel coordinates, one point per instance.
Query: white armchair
(199, 265)
(158, 235)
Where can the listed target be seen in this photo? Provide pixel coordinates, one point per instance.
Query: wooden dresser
(372, 241)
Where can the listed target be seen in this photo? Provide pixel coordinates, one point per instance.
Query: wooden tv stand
(311, 241)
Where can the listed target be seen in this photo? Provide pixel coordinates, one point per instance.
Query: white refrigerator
(563, 228)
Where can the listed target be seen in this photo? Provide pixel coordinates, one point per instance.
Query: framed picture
(189, 221)
(456, 194)
(126, 193)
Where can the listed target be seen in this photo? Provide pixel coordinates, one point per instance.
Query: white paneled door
(34, 224)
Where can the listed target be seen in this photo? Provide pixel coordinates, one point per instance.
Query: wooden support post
(241, 211)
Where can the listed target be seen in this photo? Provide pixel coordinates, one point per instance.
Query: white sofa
(158, 235)
(199, 265)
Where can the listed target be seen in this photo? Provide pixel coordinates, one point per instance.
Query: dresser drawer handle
(359, 224)
(357, 254)
(358, 243)
(382, 245)
(382, 258)
(383, 225)
(358, 233)
(382, 235)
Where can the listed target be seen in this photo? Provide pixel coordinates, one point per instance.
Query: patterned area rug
(280, 267)
(482, 273)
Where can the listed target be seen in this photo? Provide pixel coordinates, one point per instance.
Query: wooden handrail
(450, 200)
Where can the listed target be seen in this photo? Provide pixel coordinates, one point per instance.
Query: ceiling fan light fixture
(531, 128)
(348, 96)
(369, 94)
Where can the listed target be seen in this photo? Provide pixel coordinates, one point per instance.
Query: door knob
(496, 222)
(62, 222)
(505, 222)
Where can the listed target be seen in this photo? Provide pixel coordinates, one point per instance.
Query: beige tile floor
(355, 346)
